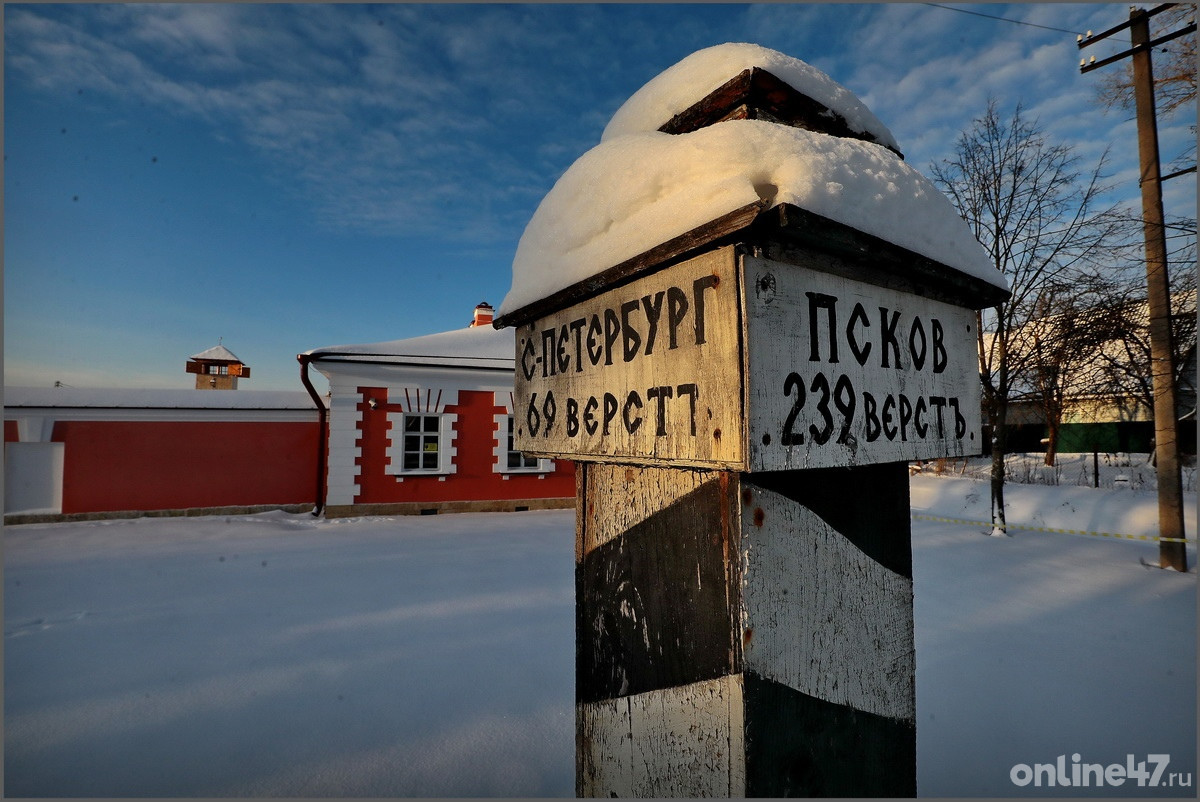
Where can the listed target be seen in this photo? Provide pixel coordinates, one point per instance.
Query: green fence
(1135, 437)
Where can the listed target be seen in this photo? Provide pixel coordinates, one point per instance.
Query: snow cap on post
(644, 196)
(662, 104)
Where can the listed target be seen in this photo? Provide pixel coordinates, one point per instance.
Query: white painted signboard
(846, 373)
(646, 372)
(740, 362)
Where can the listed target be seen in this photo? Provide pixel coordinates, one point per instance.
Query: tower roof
(218, 353)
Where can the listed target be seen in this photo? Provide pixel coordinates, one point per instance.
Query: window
(422, 443)
(507, 460)
(218, 370)
(516, 460)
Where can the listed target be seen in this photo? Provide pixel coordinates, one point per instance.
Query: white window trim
(446, 448)
(500, 450)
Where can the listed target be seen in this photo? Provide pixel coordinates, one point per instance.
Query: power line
(1158, 291)
(1002, 19)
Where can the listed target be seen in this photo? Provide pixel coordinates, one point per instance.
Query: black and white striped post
(752, 637)
(742, 403)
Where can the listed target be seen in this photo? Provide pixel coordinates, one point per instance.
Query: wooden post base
(744, 634)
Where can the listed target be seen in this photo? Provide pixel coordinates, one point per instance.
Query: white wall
(33, 477)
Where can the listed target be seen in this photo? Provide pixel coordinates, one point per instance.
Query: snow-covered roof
(640, 188)
(218, 353)
(633, 192)
(680, 86)
(479, 346)
(132, 398)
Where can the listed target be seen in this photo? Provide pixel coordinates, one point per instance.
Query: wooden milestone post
(742, 403)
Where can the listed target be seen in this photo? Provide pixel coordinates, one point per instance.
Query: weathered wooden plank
(787, 233)
(868, 505)
(845, 373)
(619, 497)
(800, 746)
(820, 615)
(656, 605)
(716, 106)
(679, 742)
(648, 372)
(684, 744)
(604, 749)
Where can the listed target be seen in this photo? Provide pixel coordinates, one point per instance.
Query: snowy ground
(1043, 644)
(278, 655)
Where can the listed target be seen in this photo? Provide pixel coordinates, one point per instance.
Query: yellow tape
(1059, 531)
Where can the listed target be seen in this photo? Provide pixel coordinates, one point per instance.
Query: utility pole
(1171, 548)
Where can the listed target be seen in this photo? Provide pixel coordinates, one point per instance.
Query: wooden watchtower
(218, 368)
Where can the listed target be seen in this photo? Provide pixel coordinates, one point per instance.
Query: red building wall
(157, 464)
(162, 465)
(475, 433)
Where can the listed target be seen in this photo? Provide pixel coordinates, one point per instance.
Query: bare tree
(1061, 348)
(1122, 319)
(1039, 217)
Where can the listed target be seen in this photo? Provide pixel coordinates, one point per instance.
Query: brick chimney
(483, 315)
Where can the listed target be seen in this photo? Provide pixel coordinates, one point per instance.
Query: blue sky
(287, 177)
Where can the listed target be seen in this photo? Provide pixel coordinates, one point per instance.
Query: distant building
(425, 425)
(416, 426)
(218, 368)
(132, 451)
(1104, 392)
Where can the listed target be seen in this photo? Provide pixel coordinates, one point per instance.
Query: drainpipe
(323, 436)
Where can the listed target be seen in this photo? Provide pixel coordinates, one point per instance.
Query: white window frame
(504, 434)
(444, 438)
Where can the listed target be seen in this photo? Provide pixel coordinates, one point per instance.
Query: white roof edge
(498, 363)
(125, 398)
(478, 346)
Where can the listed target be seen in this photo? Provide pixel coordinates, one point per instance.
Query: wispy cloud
(382, 121)
(954, 64)
(391, 118)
